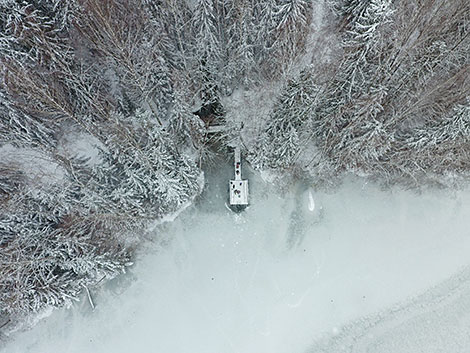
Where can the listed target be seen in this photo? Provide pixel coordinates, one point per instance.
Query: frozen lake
(366, 271)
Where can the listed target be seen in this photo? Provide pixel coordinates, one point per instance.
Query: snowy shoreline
(274, 278)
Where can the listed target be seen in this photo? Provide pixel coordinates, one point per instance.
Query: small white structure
(238, 187)
(213, 129)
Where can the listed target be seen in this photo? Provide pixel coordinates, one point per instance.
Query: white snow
(437, 321)
(311, 201)
(81, 145)
(279, 278)
(250, 108)
(172, 216)
(38, 167)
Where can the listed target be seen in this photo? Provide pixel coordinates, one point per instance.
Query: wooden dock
(238, 186)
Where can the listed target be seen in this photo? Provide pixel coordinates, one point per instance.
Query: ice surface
(435, 322)
(279, 278)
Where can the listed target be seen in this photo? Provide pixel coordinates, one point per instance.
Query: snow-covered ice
(435, 322)
(311, 201)
(281, 278)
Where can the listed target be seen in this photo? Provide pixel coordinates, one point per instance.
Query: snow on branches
(95, 68)
(49, 248)
(392, 105)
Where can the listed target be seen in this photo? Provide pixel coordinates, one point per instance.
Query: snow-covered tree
(142, 176)
(289, 128)
(119, 33)
(49, 250)
(98, 68)
(401, 72)
(292, 18)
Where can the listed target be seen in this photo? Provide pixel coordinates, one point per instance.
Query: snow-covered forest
(391, 101)
(99, 135)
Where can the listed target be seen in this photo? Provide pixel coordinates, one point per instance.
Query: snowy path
(280, 278)
(436, 321)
